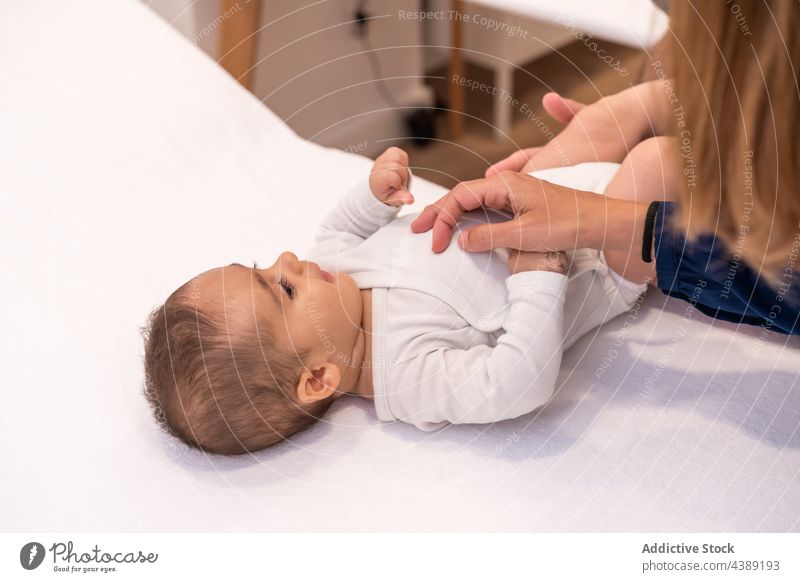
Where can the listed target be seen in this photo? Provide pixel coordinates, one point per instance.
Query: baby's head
(238, 359)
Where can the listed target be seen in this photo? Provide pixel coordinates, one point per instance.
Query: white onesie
(456, 338)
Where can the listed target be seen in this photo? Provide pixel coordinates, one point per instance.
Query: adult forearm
(611, 224)
(617, 228)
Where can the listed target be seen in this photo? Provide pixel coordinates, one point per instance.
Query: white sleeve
(486, 384)
(356, 217)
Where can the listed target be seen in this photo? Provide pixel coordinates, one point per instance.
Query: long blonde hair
(735, 65)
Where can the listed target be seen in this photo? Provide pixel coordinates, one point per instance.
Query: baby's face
(308, 308)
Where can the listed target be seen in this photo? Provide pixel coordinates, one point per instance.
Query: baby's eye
(287, 287)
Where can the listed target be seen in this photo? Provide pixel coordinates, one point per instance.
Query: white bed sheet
(129, 161)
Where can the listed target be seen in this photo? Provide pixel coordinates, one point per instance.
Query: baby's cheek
(315, 330)
(322, 336)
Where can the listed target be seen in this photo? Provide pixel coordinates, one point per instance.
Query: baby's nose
(291, 263)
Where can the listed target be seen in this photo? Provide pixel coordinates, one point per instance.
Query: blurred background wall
(352, 86)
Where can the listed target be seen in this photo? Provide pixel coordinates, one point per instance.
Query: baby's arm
(485, 384)
(369, 205)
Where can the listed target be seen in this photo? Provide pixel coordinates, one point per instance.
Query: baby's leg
(648, 173)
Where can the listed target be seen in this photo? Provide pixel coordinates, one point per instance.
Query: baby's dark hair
(220, 390)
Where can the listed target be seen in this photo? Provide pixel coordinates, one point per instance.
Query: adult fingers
(492, 236)
(514, 162)
(466, 196)
(427, 217)
(560, 108)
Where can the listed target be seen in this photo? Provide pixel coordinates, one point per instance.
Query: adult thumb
(560, 108)
(491, 236)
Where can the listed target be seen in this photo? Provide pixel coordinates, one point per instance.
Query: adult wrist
(613, 225)
(648, 231)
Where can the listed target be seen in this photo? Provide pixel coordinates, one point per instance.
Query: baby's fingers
(399, 197)
(394, 154)
(392, 178)
(398, 168)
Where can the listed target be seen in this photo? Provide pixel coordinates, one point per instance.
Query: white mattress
(129, 161)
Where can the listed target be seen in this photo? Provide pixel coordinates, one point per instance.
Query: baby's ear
(318, 383)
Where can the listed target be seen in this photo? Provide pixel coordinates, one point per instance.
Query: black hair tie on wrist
(647, 235)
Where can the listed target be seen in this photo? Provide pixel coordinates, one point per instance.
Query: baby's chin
(347, 286)
(345, 281)
(349, 293)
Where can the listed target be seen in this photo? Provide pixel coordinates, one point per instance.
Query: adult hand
(604, 131)
(548, 217)
(560, 109)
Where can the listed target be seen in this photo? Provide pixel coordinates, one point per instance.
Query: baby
(240, 358)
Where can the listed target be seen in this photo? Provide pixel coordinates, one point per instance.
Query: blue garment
(705, 274)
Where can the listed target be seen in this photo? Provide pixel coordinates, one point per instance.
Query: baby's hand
(389, 178)
(519, 261)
